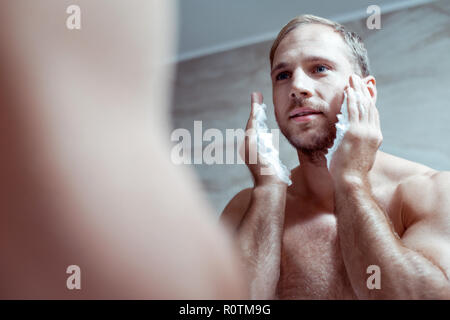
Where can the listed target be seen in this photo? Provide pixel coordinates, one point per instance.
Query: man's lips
(301, 112)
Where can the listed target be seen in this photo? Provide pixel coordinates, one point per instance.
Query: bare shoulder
(423, 192)
(236, 208)
(404, 184)
(398, 170)
(426, 196)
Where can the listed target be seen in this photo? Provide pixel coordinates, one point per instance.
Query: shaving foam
(265, 145)
(341, 128)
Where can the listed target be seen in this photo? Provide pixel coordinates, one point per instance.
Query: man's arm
(257, 215)
(259, 230)
(235, 210)
(417, 265)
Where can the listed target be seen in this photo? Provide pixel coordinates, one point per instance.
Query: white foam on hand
(265, 146)
(341, 128)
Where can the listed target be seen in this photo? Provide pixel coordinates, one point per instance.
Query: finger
(353, 113)
(362, 108)
(366, 90)
(249, 121)
(363, 87)
(369, 104)
(352, 82)
(255, 97)
(375, 117)
(362, 99)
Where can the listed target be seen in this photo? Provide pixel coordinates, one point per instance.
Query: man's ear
(372, 86)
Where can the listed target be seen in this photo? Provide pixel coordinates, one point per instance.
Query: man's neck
(313, 180)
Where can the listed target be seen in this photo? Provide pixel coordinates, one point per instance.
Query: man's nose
(301, 86)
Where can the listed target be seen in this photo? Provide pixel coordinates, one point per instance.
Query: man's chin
(310, 148)
(311, 142)
(312, 138)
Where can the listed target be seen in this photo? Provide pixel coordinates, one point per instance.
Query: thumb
(256, 97)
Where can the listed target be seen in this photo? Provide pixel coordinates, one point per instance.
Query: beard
(311, 138)
(317, 140)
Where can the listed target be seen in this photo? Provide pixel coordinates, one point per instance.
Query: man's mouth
(303, 113)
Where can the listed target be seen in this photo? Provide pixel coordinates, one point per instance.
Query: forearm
(368, 238)
(260, 236)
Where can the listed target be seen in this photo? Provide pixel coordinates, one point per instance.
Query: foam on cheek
(267, 150)
(341, 128)
(265, 146)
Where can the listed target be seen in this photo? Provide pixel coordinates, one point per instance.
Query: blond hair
(352, 39)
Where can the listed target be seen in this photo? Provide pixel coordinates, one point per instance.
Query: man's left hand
(356, 154)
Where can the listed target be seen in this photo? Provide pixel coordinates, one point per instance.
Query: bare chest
(311, 265)
(311, 262)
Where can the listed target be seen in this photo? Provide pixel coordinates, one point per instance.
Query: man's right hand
(257, 215)
(262, 171)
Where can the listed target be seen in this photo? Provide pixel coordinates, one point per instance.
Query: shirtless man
(316, 238)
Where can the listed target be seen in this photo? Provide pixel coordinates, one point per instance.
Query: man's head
(311, 62)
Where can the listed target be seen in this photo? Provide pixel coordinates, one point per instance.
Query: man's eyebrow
(307, 59)
(279, 66)
(318, 58)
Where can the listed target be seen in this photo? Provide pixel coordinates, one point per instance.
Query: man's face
(311, 68)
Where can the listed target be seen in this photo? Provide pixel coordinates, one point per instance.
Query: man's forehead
(311, 40)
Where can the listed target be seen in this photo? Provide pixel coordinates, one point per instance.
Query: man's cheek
(278, 118)
(334, 111)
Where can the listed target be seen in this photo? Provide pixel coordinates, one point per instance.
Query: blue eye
(282, 75)
(320, 69)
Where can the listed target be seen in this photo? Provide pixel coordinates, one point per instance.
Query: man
(319, 237)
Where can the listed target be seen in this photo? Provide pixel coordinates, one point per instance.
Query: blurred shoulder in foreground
(86, 177)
